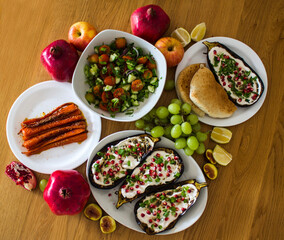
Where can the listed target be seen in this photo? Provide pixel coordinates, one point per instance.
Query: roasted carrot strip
(31, 132)
(63, 111)
(77, 138)
(54, 132)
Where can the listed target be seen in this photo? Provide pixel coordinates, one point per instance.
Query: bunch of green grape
(177, 123)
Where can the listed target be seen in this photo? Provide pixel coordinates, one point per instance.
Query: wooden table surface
(244, 202)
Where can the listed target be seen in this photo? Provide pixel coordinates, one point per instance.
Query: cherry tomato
(104, 49)
(103, 106)
(93, 58)
(142, 60)
(97, 90)
(137, 85)
(120, 42)
(106, 96)
(103, 59)
(109, 80)
(118, 92)
(127, 58)
(147, 74)
(151, 65)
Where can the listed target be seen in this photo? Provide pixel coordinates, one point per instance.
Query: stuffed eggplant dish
(242, 84)
(160, 211)
(162, 166)
(118, 159)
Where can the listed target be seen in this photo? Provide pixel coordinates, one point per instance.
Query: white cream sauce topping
(239, 78)
(159, 167)
(162, 208)
(125, 155)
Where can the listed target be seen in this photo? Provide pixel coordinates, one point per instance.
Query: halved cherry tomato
(118, 92)
(103, 106)
(142, 60)
(147, 74)
(93, 58)
(97, 90)
(109, 80)
(120, 42)
(106, 96)
(104, 49)
(137, 85)
(151, 65)
(126, 57)
(110, 67)
(103, 59)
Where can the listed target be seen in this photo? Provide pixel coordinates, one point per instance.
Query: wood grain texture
(244, 202)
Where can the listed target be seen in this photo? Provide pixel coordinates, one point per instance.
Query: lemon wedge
(198, 32)
(182, 35)
(221, 156)
(221, 135)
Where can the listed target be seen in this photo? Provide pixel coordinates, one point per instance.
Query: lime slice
(182, 35)
(221, 135)
(221, 156)
(198, 32)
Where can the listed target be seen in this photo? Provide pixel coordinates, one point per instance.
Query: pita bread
(209, 95)
(183, 86)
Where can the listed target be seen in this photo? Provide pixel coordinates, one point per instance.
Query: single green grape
(200, 149)
(169, 85)
(157, 121)
(147, 118)
(202, 137)
(167, 130)
(162, 112)
(192, 118)
(180, 143)
(164, 121)
(196, 127)
(174, 108)
(140, 124)
(186, 128)
(188, 151)
(185, 108)
(152, 113)
(177, 101)
(148, 127)
(42, 184)
(176, 131)
(176, 119)
(157, 131)
(192, 143)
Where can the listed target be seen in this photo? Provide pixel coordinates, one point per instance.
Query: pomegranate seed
(155, 225)
(215, 52)
(218, 59)
(183, 209)
(123, 186)
(169, 159)
(237, 78)
(137, 186)
(189, 191)
(166, 219)
(160, 169)
(104, 173)
(229, 76)
(158, 195)
(245, 78)
(148, 212)
(108, 148)
(153, 160)
(109, 194)
(97, 177)
(131, 188)
(239, 100)
(107, 154)
(138, 149)
(159, 211)
(138, 145)
(182, 198)
(158, 220)
(154, 213)
(254, 96)
(138, 192)
(127, 190)
(176, 157)
(97, 161)
(112, 162)
(150, 220)
(140, 154)
(165, 203)
(236, 64)
(142, 215)
(222, 77)
(230, 86)
(224, 84)
(142, 183)
(160, 174)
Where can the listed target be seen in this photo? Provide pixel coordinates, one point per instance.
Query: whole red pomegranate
(66, 192)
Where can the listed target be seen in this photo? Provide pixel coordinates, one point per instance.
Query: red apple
(172, 49)
(80, 35)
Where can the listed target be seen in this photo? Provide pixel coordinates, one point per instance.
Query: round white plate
(43, 98)
(125, 214)
(197, 54)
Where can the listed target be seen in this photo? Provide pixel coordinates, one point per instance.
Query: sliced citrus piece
(182, 35)
(221, 156)
(198, 32)
(221, 135)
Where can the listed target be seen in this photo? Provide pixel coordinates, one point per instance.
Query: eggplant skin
(151, 188)
(209, 46)
(104, 150)
(174, 186)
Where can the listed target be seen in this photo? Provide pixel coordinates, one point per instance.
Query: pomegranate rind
(21, 175)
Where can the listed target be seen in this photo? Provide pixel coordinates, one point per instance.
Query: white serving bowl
(80, 86)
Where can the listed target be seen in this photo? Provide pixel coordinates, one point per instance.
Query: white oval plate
(197, 54)
(43, 98)
(107, 36)
(125, 214)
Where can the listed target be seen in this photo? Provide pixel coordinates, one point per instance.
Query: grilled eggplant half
(163, 166)
(118, 159)
(160, 211)
(242, 84)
